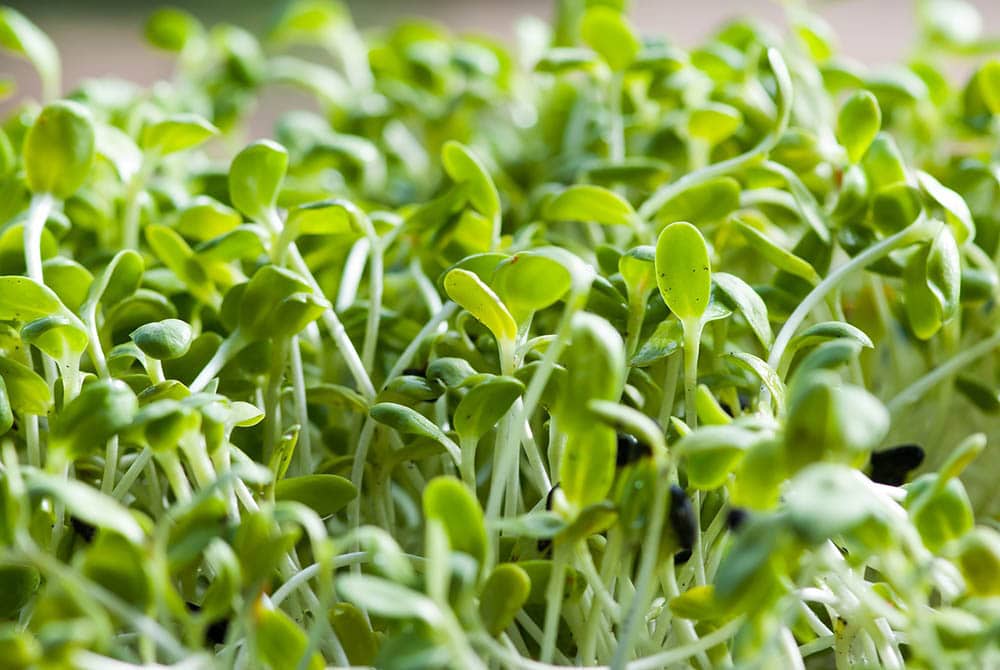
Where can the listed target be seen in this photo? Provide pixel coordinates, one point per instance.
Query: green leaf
(119, 149)
(608, 33)
(176, 133)
(23, 299)
(6, 411)
(205, 218)
(119, 279)
(326, 217)
(983, 395)
(62, 337)
(956, 210)
(26, 390)
(277, 303)
(712, 453)
(175, 253)
(944, 273)
(713, 122)
(407, 421)
(171, 29)
(469, 291)
(484, 405)
(502, 597)
(664, 341)
(22, 37)
(355, 633)
(595, 362)
(827, 499)
(447, 501)
(587, 467)
(102, 409)
(387, 599)
(280, 642)
(163, 340)
(584, 202)
(826, 331)
(739, 295)
(529, 281)
(978, 558)
(18, 583)
(989, 85)
(684, 271)
(704, 203)
(69, 280)
(59, 149)
(858, 123)
(883, 163)
(324, 494)
(767, 375)
(779, 257)
(829, 420)
(255, 178)
(465, 168)
(86, 503)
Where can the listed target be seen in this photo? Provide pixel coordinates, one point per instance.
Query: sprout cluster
(584, 351)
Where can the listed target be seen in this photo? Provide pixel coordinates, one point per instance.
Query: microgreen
(588, 352)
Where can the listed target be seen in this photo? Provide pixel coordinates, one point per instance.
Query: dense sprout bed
(588, 351)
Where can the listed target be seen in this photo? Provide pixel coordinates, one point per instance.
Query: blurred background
(101, 37)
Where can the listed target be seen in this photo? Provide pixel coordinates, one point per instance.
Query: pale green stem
(647, 568)
(616, 134)
(692, 343)
(337, 331)
(916, 231)
(375, 279)
(684, 652)
(917, 389)
(228, 348)
(304, 446)
(553, 599)
(110, 465)
(38, 212)
(132, 474)
(133, 192)
(32, 439)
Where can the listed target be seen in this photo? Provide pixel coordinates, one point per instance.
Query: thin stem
(110, 465)
(692, 343)
(132, 474)
(38, 212)
(229, 347)
(647, 568)
(915, 232)
(336, 328)
(553, 598)
(133, 193)
(304, 446)
(917, 389)
(686, 651)
(616, 134)
(375, 278)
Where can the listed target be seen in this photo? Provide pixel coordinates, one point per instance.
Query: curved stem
(553, 598)
(666, 193)
(230, 346)
(915, 232)
(301, 408)
(375, 278)
(38, 212)
(647, 568)
(914, 391)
